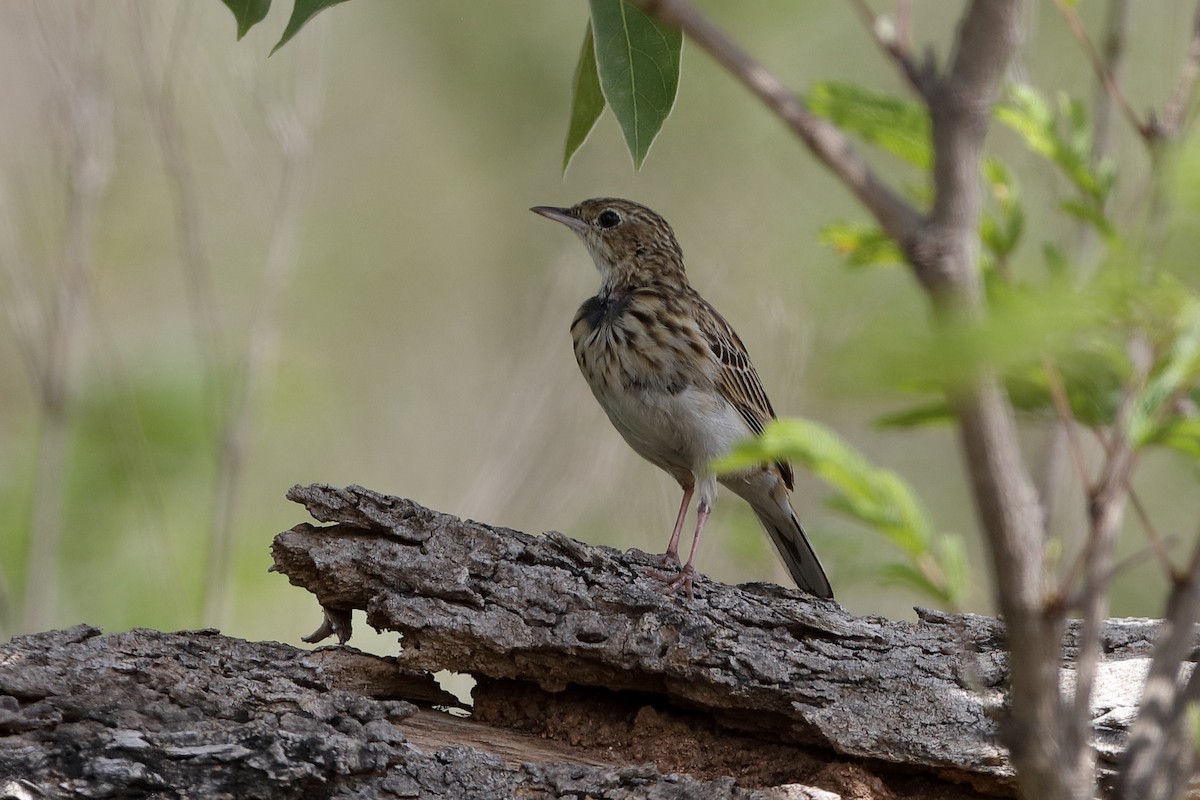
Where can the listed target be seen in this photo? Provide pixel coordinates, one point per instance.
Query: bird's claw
(685, 577)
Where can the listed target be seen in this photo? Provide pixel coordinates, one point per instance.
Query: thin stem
(826, 141)
(1103, 73)
(1062, 407)
(894, 45)
(1157, 544)
(1183, 98)
(1160, 754)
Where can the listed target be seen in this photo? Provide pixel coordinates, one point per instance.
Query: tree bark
(590, 683)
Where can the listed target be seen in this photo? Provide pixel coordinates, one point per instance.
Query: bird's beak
(562, 215)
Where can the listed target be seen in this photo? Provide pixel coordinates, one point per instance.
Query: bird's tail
(782, 525)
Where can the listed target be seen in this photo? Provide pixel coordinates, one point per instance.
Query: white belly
(679, 432)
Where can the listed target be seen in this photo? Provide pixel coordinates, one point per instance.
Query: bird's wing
(737, 379)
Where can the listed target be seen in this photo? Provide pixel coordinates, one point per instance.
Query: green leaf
(1056, 261)
(928, 414)
(302, 12)
(876, 497)
(861, 244)
(1063, 135)
(873, 495)
(894, 124)
(638, 63)
(587, 101)
(1180, 435)
(1088, 212)
(1026, 111)
(1001, 231)
(1181, 368)
(248, 13)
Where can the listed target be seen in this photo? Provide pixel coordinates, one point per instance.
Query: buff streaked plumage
(674, 378)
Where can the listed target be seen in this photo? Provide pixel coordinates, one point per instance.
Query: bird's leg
(686, 575)
(672, 554)
(671, 557)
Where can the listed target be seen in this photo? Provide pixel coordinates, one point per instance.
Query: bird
(676, 381)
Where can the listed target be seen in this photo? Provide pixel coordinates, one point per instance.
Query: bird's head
(631, 245)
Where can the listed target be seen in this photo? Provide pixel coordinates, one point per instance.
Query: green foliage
(1153, 418)
(587, 100)
(629, 62)
(898, 126)
(1003, 221)
(861, 244)
(302, 12)
(1062, 134)
(249, 13)
(637, 59)
(876, 497)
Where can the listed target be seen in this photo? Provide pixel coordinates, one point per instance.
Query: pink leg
(672, 553)
(686, 575)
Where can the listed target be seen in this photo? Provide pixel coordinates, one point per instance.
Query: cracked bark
(589, 683)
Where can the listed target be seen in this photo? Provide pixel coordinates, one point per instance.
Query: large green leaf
(877, 497)
(248, 13)
(587, 101)
(302, 12)
(638, 62)
(897, 125)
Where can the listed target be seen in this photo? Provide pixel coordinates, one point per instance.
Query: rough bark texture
(197, 714)
(757, 660)
(749, 691)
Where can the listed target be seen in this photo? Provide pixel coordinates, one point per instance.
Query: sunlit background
(343, 228)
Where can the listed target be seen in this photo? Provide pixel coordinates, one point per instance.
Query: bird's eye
(608, 219)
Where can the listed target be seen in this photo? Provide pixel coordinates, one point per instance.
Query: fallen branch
(756, 660)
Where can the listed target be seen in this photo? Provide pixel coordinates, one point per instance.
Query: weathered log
(756, 660)
(749, 691)
(197, 714)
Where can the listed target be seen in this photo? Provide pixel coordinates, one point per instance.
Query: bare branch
(1146, 130)
(1183, 97)
(894, 43)
(1062, 407)
(1157, 544)
(1112, 56)
(1160, 753)
(826, 141)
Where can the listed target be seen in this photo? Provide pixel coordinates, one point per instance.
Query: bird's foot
(666, 560)
(683, 578)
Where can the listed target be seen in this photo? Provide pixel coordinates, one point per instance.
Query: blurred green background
(411, 333)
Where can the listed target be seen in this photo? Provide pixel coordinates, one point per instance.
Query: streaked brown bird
(674, 378)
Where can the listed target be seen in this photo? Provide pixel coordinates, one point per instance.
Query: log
(197, 714)
(590, 682)
(756, 661)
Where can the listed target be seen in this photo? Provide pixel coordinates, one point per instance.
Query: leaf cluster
(249, 13)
